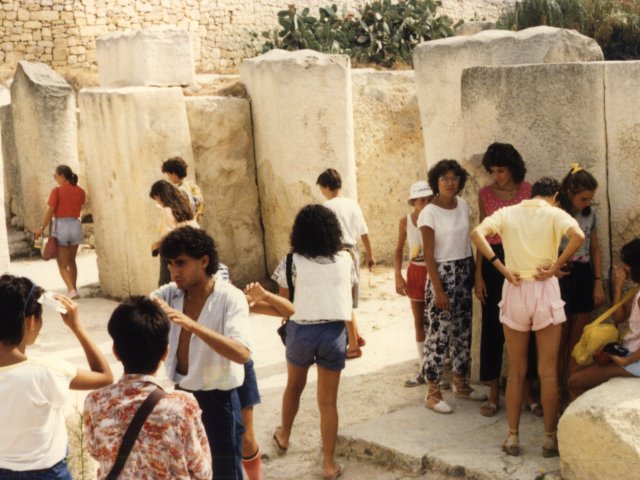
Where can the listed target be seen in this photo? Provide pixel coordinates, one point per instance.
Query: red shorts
(416, 281)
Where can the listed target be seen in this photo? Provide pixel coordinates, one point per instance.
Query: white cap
(420, 189)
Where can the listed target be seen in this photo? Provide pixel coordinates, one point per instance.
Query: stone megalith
(126, 135)
(598, 433)
(222, 144)
(439, 64)
(5, 111)
(302, 113)
(622, 100)
(552, 114)
(158, 56)
(389, 151)
(43, 110)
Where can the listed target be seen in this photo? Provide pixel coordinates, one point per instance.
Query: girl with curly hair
(323, 276)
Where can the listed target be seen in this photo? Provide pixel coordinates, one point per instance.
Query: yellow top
(531, 232)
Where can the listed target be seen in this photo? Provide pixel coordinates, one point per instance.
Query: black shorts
(576, 288)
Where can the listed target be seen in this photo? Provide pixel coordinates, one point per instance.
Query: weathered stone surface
(439, 65)
(303, 123)
(471, 28)
(4, 242)
(553, 115)
(389, 151)
(155, 56)
(43, 107)
(10, 163)
(598, 433)
(622, 100)
(226, 173)
(127, 133)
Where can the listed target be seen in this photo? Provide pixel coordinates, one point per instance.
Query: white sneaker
(72, 294)
(414, 381)
(439, 407)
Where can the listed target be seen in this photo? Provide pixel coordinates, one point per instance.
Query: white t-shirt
(226, 312)
(33, 393)
(350, 217)
(451, 230)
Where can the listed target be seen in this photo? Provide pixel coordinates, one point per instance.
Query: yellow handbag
(597, 334)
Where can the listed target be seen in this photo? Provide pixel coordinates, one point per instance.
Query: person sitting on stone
(620, 366)
(172, 442)
(176, 171)
(34, 443)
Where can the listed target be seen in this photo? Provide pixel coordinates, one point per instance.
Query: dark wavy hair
(574, 183)
(67, 173)
(545, 187)
(630, 255)
(505, 155)
(19, 300)
(330, 179)
(140, 332)
(193, 242)
(173, 198)
(441, 168)
(175, 165)
(316, 232)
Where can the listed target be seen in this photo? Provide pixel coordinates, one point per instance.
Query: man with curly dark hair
(208, 342)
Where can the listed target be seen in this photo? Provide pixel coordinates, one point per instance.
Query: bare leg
(296, 381)
(548, 343)
(517, 345)
(585, 378)
(64, 255)
(417, 308)
(249, 444)
(328, 381)
(72, 266)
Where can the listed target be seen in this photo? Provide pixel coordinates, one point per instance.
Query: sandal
(438, 405)
(511, 445)
(415, 381)
(489, 409)
(461, 389)
(281, 450)
(339, 472)
(535, 409)
(550, 446)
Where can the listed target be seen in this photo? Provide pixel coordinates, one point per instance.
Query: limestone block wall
(126, 134)
(222, 144)
(303, 123)
(439, 64)
(43, 109)
(62, 33)
(389, 151)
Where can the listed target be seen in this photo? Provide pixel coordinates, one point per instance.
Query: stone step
(20, 243)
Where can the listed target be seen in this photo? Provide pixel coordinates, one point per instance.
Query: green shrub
(381, 32)
(614, 24)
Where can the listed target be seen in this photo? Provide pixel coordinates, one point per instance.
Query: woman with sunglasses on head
(33, 444)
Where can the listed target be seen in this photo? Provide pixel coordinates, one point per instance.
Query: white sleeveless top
(323, 290)
(414, 239)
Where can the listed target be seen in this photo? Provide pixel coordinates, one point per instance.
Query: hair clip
(575, 168)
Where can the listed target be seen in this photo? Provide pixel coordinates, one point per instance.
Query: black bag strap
(289, 271)
(133, 430)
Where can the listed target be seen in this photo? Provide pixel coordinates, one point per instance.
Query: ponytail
(67, 173)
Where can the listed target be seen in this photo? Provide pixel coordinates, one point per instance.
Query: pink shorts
(416, 281)
(532, 305)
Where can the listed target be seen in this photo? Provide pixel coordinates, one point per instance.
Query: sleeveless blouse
(414, 239)
(632, 339)
(491, 203)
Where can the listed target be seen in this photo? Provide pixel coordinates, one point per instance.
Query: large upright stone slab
(622, 100)
(126, 135)
(222, 144)
(5, 110)
(43, 109)
(302, 114)
(159, 56)
(439, 65)
(553, 115)
(598, 433)
(389, 151)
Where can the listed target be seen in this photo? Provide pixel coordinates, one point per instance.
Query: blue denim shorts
(68, 231)
(58, 472)
(248, 391)
(633, 368)
(321, 343)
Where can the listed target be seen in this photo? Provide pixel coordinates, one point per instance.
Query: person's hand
(545, 272)
(71, 318)
(561, 272)
(619, 277)
(598, 294)
(512, 277)
(371, 262)
(174, 315)
(38, 233)
(401, 286)
(620, 361)
(254, 293)
(442, 301)
(480, 289)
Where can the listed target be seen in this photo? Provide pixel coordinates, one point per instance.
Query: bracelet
(495, 257)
